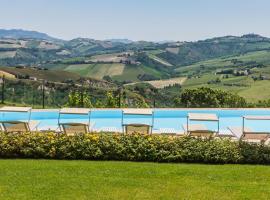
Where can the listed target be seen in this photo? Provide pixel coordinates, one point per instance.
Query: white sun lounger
(19, 125)
(131, 128)
(72, 128)
(249, 135)
(200, 130)
(254, 136)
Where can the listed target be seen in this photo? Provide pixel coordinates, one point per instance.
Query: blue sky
(155, 20)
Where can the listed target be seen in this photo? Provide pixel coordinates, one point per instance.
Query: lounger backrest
(15, 126)
(137, 128)
(75, 128)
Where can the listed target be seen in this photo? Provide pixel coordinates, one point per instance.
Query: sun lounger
(200, 130)
(20, 126)
(254, 136)
(140, 128)
(72, 128)
(27, 125)
(249, 135)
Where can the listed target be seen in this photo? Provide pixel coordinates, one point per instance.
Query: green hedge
(131, 148)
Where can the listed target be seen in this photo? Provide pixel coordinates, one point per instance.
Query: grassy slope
(96, 70)
(42, 179)
(222, 63)
(51, 75)
(252, 91)
(154, 57)
(131, 73)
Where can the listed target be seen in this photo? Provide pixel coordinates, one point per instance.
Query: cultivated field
(7, 75)
(163, 83)
(131, 73)
(160, 60)
(223, 63)
(173, 50)
(50, 75)
(116, 57)
(97, 71)
(7, 54)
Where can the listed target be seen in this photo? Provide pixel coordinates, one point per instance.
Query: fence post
(43, 94)
(82, 97)
(3, 90)
(119, 97)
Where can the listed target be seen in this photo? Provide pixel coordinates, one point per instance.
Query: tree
(207, 97)
(79, 99)
(112, 101)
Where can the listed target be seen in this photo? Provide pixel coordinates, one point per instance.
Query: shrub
(207, 97)
(155, 148)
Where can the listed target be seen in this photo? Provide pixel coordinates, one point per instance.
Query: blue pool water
(163, 118)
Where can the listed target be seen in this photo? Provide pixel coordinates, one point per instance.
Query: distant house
(33, 78)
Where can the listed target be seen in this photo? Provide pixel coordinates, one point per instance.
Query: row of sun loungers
(195, 130)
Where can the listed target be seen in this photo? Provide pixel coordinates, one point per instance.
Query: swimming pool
(111, 119)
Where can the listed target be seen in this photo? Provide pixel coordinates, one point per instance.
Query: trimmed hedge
(131, 148)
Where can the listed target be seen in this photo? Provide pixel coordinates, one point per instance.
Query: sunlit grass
(44, 179)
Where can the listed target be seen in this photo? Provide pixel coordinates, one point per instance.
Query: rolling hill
(191, 52)
(238, 64)
(25, 34)
(38, 74)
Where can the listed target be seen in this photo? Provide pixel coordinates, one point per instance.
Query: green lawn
(43, 179)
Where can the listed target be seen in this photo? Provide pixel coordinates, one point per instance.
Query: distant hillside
(192, 52)
(34, 73)
(25, 34)
(124, 41)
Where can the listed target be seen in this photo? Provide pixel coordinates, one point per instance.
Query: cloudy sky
(155, 20)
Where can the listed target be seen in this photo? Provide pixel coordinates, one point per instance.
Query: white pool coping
(153, 109)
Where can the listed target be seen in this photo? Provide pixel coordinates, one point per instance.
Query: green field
(50, 75)
(204, 72)
(131, 73)
(116, 71)
(97, 71)
(242, 85)
(225, 62)
(154, 57)
(44, 179)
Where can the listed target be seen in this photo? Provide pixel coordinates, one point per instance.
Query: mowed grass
(49, 179)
